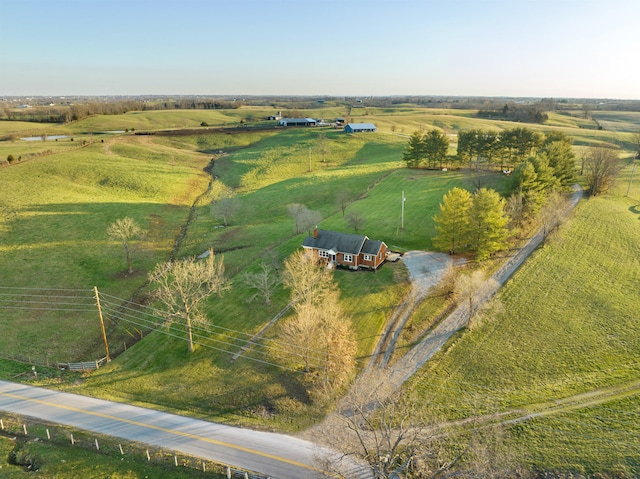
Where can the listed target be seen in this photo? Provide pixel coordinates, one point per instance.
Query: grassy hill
(566, 328)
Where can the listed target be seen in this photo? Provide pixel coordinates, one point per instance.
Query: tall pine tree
(453, 221)
(489, 223)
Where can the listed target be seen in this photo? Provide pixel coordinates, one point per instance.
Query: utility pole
(104, 334)
(402, 216)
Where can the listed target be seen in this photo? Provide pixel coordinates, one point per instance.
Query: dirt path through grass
(411, 362)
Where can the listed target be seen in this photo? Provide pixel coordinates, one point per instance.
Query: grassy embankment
(569, 326)
(46, 452)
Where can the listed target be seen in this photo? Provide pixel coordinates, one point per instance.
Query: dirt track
(409, 364)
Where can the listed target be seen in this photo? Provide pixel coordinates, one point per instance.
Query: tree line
(515, 112)
(476, 148)
(78, 111)
(482, 221)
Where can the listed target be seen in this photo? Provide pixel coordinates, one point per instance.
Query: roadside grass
(46, 452)
(569, 326)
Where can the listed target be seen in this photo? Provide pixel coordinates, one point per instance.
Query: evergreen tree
(489, 223)
(562, 159)
(453, 222)
(415, 152)
(466, 140)
(528, 186)
(547, 181)
(435, 147)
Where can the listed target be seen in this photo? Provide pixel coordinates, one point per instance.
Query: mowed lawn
(570, 325)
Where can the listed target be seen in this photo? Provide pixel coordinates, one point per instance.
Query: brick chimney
(315, 233)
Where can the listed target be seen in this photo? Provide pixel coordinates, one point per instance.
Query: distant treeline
(513, 112)
(78, 111)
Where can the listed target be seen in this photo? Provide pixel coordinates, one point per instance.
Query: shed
(359, 127)
(297, 122)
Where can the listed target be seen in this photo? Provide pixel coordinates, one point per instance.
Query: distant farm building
(339, 121)
(359, 127)
(277, 116)
(344, 249)
(298, 122)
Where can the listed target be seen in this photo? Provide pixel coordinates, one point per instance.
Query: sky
(510, 48)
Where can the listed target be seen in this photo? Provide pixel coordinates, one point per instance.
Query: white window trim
(323, 253)
(368, 257)
(348, 258)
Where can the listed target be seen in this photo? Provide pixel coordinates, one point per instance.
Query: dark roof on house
(336, 241)
(371, 247)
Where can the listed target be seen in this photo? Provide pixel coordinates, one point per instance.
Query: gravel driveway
(426, 269)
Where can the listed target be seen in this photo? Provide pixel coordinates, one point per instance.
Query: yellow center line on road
(164, 429)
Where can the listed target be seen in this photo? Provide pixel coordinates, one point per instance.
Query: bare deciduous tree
(226, 208)
(343, 199)
(182, 286)
(552, 212)
(304, 218)
(305, 278)
(393, 435)
(323, 146)
(602, 165)
(355, 220)
(474, 289)
(223, 203)
(266, 280)
(382, 430)
(125, 230)
(320, 335)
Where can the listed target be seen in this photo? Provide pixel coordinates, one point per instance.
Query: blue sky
(540, 48)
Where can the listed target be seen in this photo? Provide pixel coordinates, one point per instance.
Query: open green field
(54, 236)
(567, 328)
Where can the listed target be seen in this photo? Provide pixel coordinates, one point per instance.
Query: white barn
(359, 127)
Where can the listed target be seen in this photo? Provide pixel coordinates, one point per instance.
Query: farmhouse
(349, 250)
(297, 122)
(359, 127)
(277, 116)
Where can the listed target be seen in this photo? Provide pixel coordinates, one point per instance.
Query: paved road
(275, 455)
